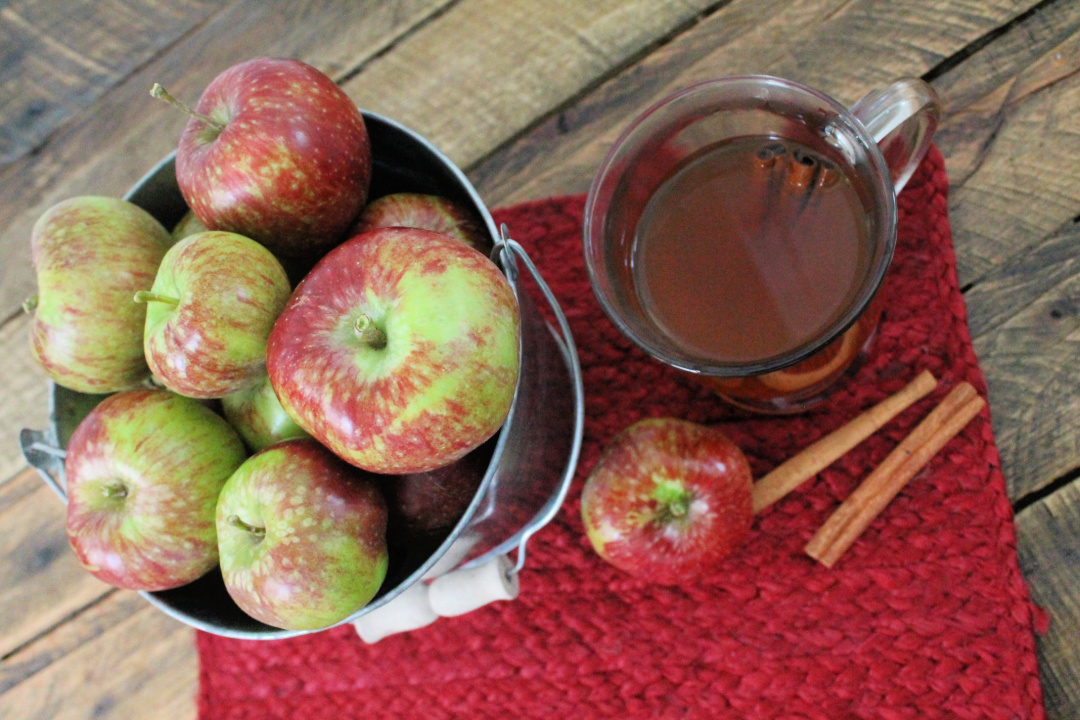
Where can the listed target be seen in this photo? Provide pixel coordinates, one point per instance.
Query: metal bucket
(533, 456)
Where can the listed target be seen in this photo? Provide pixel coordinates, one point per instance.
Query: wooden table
(527, 96)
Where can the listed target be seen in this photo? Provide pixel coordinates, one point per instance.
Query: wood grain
(59, 57)
(25, 389)
(469, 95)
(845, 48)
(144, 667)
(1049, 545)
(43, 583)
(1016, 142)
(1031, 360)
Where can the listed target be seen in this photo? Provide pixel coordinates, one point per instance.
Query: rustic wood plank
(845, 48)
(25, 389)
(58, 56)
(468, 95)
(85, 626)
(145, 667)
(1030, 362)
(43, 583)
(975, 94)
(1049, 546)
(1016, 143)
(117, 139)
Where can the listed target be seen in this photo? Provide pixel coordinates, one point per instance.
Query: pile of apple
(393, 359)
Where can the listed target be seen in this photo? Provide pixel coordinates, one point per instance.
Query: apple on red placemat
(668, 499)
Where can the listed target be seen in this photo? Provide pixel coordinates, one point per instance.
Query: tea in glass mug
(740, 230)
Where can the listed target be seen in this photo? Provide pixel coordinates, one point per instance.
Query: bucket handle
(508, 252)
(45, 455)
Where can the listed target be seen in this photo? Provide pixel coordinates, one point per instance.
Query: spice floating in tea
(751, 248)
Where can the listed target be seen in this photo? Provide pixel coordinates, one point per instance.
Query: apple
(188, 225)
(302, 537)
(429, 212)
(257, 415)
(275, 151)
(144, 469)
(90, 255)
(668, 500)
(398, 351)
(212, 305)
(428, 503)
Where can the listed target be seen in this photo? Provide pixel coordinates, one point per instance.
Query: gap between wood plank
(62, 621)
(1036, 496)
(346, 75)
(975, 46)
(586, 90)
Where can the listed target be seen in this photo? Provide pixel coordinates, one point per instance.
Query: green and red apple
(144, 469)
(277, 152)
(257, 415)
(302, 537)
(668, 500)
(211, 307)
(399, 351)
(91, 254)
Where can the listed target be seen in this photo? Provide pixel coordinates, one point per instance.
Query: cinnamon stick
(856, 513)
(816, 457)
(800, 174)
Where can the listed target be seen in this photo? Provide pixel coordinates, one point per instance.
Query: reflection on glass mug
(741, 228)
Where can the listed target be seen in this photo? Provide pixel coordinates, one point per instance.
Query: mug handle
(902, 118)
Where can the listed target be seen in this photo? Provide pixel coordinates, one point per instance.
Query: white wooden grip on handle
(408, 611)
(463, 591)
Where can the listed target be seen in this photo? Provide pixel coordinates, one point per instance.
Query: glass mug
(740, 230)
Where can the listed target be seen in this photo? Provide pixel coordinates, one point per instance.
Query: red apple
(276, 152)
(144, 470)
(431, 502)
(398, 351)
(429, 212)
(212, 305)
(302, 537)
(91, 254)
(668, 500)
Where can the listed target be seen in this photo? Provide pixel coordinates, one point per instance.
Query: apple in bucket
(668, 500)
(144, 469)
(211, 307)
(91, 254)
(399, 351)
(275, 151)
(302, 536)
(429, 212)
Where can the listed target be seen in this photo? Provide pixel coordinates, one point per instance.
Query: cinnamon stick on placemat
(853, 516)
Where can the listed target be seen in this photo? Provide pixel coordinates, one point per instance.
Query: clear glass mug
(740, 230)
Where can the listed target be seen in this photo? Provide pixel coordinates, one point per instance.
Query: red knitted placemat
(926, 616)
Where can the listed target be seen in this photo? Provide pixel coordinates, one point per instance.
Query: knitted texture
(926, 616)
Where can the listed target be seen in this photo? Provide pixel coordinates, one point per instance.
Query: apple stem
(147, 296)
(30, 304)
(114, 491)
(367, 332)
(236, 522)
(162, 94)
(673, 498)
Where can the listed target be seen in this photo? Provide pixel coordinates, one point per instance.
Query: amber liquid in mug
(750, 249)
